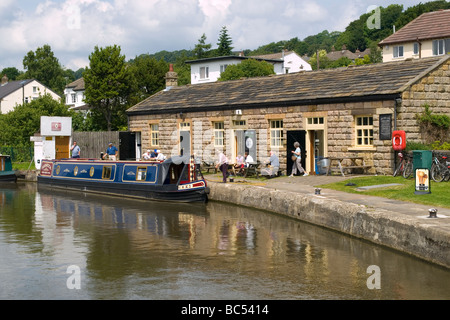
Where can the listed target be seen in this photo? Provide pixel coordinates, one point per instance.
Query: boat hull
(129, 191)
(168, 181)
(8, 176)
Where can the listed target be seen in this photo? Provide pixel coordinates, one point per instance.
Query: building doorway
(295, 136)
(62, 147)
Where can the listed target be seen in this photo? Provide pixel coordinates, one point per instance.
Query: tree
(43, 66)
(108, 86)
(224, 43)
(248, 68)
(12, 73)
(148, 76)
(201, 48)
(24, 121)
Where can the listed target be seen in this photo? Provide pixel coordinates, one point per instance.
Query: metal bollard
(433, 213)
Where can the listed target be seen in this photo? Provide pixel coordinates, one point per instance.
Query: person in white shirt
(146, 156)
(222, 164)
(160, 156)
(248, 159)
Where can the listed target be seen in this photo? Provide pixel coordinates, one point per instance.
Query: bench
(206, 166)
(252, 169)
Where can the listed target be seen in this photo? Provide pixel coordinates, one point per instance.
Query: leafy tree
(12, 73)
(108, 86)
(18, 125)
(43, 66)
(201, 48)
(225, 48)
(248, 68)
(183, 70)
(148, 76)
(324, 61)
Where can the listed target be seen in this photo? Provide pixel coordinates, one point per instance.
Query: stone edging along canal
(379, 226)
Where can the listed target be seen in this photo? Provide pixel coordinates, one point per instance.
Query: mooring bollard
(433, 213)
(317, 191)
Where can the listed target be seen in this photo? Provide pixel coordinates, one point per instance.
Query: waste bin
(323, 165)
(422, 159)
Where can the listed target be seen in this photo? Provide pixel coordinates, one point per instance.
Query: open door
(127, 145)
(293, 136)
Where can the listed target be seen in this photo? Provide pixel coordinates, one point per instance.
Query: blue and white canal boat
(176, 179)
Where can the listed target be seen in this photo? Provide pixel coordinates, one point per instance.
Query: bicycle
(440, 170)
(404, 167)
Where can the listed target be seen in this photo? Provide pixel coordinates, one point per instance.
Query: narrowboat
(7, 174)
(176, 179)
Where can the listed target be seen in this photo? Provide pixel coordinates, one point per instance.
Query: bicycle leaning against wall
(440, 169)
(405, 165)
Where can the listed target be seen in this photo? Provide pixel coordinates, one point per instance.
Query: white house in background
(14, 93)
(209, 69)
(74, 95)
(426, 36)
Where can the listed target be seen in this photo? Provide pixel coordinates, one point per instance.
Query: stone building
(332, 112)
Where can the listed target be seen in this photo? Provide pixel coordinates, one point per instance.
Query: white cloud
(74, 27)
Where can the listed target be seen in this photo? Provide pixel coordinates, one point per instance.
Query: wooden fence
(93, 143)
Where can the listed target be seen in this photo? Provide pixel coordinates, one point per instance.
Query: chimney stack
(4, 80)
(171, 78)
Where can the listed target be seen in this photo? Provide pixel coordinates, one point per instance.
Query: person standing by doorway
(75, 150)
(297, 159)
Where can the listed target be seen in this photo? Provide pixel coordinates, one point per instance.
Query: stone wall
(433, 89)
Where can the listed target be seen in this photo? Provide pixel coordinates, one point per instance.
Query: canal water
(63, 245)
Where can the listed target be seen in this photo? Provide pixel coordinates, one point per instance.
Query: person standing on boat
(112, 152)
(75, 150)
(223, 165)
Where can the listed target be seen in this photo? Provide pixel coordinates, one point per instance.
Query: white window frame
(438, 47)
(204, 73)
(223, 67)
(154, 134)
(364, 131)
(74, 97)
(276, 133)
(219, 133)
(416, 48)
(398, 52)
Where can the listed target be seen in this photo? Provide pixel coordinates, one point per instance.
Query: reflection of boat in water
(7, 174)
(176, 179)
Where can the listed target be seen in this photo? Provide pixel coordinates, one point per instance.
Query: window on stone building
(154, 134)
(364, 131)
(239, 123)
(218, 134)
(276, 133)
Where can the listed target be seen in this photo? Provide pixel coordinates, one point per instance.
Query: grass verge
(439, 196)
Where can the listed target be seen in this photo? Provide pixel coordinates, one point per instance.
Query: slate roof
(77, 85)
(12, 86)
(357, 83)
(430, 25)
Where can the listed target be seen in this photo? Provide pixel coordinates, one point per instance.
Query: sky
(73, 28)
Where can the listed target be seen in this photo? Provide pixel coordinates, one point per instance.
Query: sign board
(385, 126)
(56, 126)
(422, 181)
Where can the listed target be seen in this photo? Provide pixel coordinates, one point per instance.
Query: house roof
(12, 86)
(356, 83)
(233, 57)
(337, 54)
(273, 56)
(77, 85)
(430, 25)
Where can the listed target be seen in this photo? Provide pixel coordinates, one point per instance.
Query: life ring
(398, 140)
